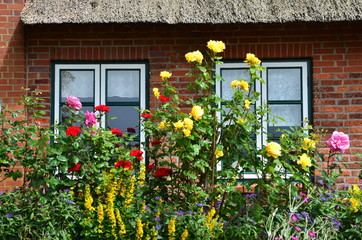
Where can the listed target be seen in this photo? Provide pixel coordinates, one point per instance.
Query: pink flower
(295, 238)
(298, 229)
(91, 119)
(294, 218)
(73, 103)
(338, 142)
(312, 234)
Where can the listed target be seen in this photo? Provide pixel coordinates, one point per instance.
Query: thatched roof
(190, 11)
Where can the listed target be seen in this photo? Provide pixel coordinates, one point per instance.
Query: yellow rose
(219, 153)
(308, 143)
(241, 120)
(244, 85)
(304, 161)
(178, 124)
(273, 149)
(354, 204)
(162, 124)
(251, 59)
(247, 104)
(165, 74)
(197, 112)
(195, 56)
(156, 92)
(216, 46)
(234, 84)
(188, 123)
(186, 132)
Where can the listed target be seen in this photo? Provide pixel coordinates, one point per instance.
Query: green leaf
(62, 158)
(196, 149)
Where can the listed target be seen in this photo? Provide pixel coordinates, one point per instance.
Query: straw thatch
(190, 11)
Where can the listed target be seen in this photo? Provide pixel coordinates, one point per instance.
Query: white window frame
(261, 138)
(100, 70)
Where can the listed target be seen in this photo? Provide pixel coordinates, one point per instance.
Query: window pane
(64, 114)
(127, 117)
(229, 75)
(291, 113)
(77, 83)
(123, 85)
(284, 84)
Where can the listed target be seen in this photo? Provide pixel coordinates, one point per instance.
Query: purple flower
(158, 226)
(73, 103)
(305, 214)
(180, 213)
(338, 142)
(200, 205)
(90, 119)
(329, 195)
(158, 198)
(70, 202)
(320, 182)
(9, 215)
(156, 219)
(147, 207)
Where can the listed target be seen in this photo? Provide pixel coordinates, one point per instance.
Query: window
(287, 92)
(122, 87)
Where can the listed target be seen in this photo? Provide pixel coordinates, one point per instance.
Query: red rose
(76, 167)
(163, 172)
(146, 115)
(102, 108)
(73, 131)
(137, 153)
(117, 132)
(124, 164)
(131, 130)
(156, 142)
(164, 98)
(150, 167)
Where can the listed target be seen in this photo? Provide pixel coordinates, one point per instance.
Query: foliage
(192, 186)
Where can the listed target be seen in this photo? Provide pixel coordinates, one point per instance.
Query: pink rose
(338, 142)
(91, 119)
(73, 103)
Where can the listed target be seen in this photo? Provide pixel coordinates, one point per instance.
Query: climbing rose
(273, 149)
(162, 172)
(195, 56)
(247, 104)
(244, 85)
(73, 103)
(308, 143)
(137, 153)
(90, 119)
(124, 164)
(165, 74)
(73, 131)
(76, 167)
(146, 115)
(131, 130)
(156, 142)
(304, 161)
(163, 98)
(338, 142)
(216, 46)
(150, 167)
(188, 123)
(219, 153)
(117, 132)
(102, 108)
(197, 112)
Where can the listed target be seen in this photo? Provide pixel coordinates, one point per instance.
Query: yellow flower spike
(195, 56)
(188, 123)
(178, 124)
(142, 174)
(273, 149)
(252, 60)
(247, 104)
(122, 227)
(354, 204)
(171, 228)
(88, 200)
(185, 234)
(139, 229)
(219, 153)
(216, 46)
(100, 213)
(304, 161)
(156, 92)
(165, 74)
(197, 112)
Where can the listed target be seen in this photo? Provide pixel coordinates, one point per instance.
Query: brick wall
(12, 60)
(335, 50)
